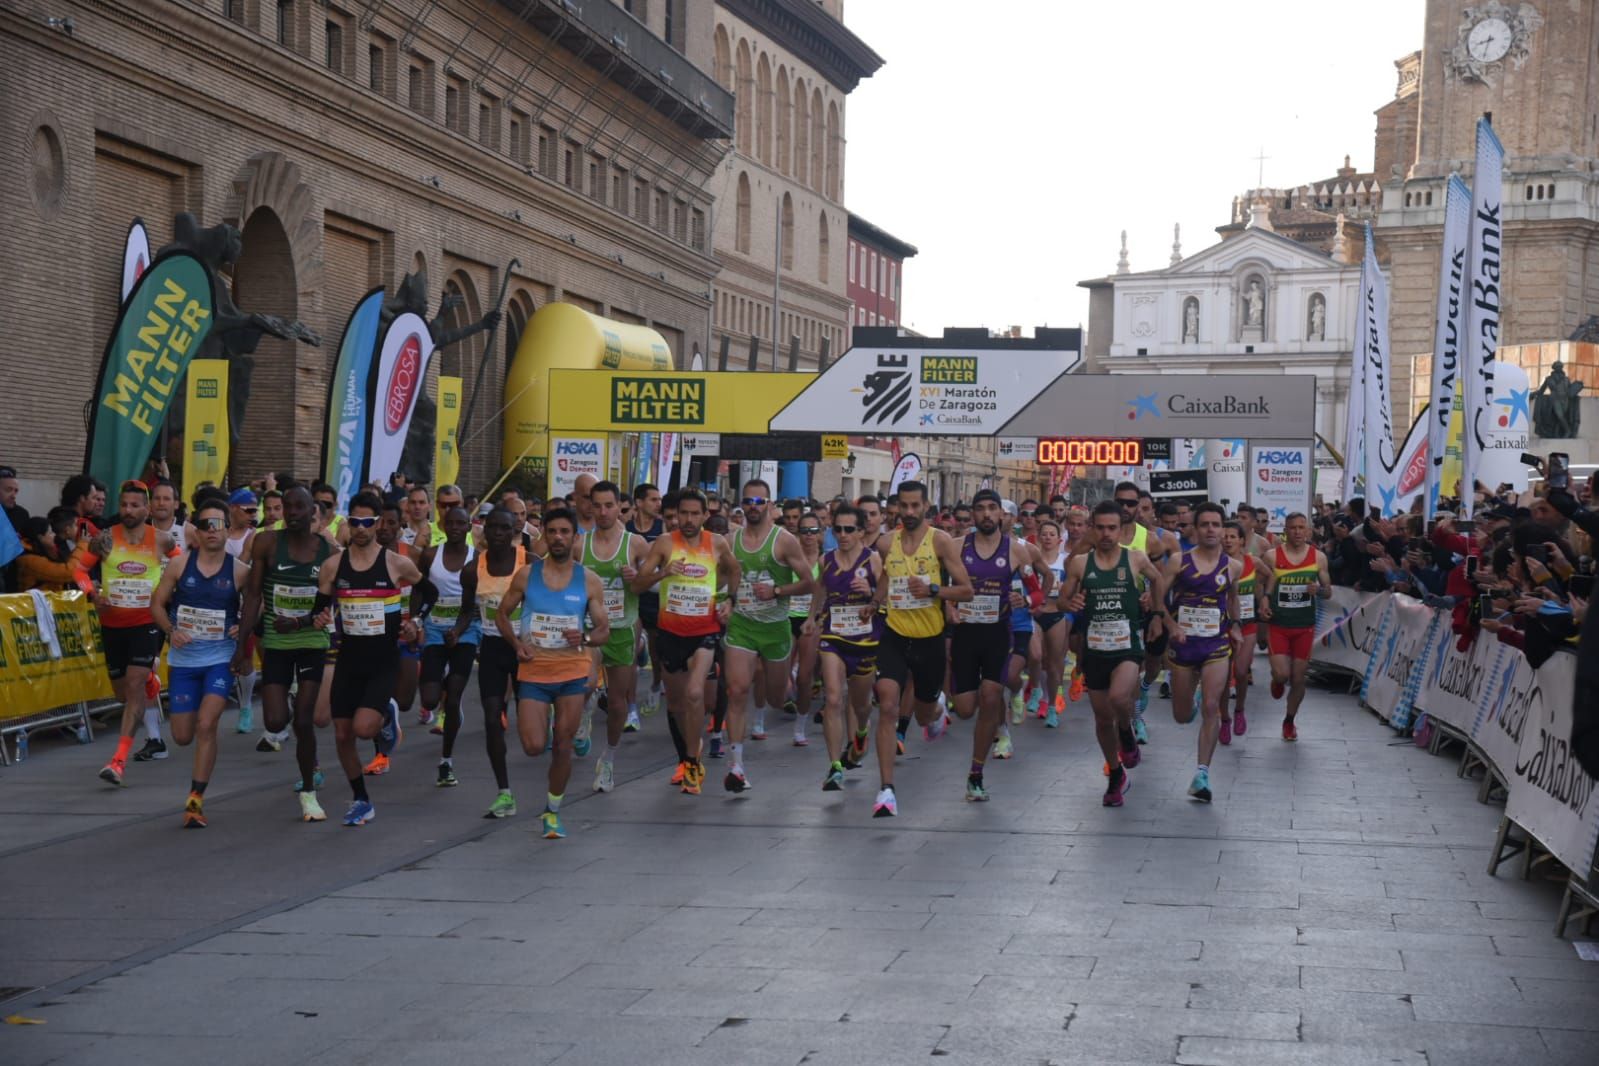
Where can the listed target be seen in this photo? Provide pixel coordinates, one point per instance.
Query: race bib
(850, 620)
(201, 623)
(615, 605)
(1294, 595)
(128, 592)
(979, 610)
(447, 609)
(1246, 606)
(799, 605)
(1199, 621)
(1110, 634)
(362, 618)
(549, 630)
(900, 598)
(690, 601)
(293, 601)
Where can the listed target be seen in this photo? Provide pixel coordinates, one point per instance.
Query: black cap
(986, 494)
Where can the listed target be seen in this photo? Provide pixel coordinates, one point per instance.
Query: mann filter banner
(1483, 265)
(398, 379)
(158, 331)
(205, 425)
(446, 452)
(39, 674)
(347, 434)
(135, 258)
(1371, 335)
(1450, 331)
(1280, 477)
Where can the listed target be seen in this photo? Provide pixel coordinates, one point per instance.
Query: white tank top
(447, 581)
(179, 534)
(235, 547)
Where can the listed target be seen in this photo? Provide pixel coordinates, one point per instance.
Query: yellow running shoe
(194, 810)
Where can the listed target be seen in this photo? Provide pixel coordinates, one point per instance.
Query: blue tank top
(546, 614)
(206, 608)
(991, 584)
(1020, 621)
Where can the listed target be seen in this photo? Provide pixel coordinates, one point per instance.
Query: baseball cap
(986, 494)
(242, 498)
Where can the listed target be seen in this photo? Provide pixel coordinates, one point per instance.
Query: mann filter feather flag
(347, 434)
(446, 445)
(1482, 312)
(161, 325)
(1450, 331)
(398, 379)
(205, 425)
(1372, 335)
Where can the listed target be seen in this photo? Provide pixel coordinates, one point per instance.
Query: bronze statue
(234, 334)
(416, 461)
(1558, 412)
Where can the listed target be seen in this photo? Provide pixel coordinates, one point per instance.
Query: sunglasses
(249, 510)
(362, 523)
(211, 525)
(1029, 514)
(846, 529)
(135, 486)
(810, 530)
(1125, 502)
(754, 501)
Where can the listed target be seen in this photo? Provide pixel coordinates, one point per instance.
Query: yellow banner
(669, 401)
(446, 454)
(835, 446)
(205, 429)
(1454, 448)
(31, 680)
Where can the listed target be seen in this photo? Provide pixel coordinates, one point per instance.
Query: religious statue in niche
(1191, 320)
(1558, 413)
(1317, 326)
(1254, 303)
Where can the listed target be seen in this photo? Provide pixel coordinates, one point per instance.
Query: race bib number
(127, 592)
(293, 601)
(615, 605)
(799, 605)
(850, 620)
(488, 607)
(690, 601)
(1294, 595)
(549, 630)
(447, 609)
(1199, 621)
(362, 618)
(979, 610)
(1110, 634)
(1246, 606)
(900, 597)
(201, 623)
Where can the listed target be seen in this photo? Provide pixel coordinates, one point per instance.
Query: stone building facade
(352, 142)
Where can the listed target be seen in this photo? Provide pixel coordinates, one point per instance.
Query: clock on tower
(1490, 34)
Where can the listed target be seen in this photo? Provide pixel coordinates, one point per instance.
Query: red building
(873, 274)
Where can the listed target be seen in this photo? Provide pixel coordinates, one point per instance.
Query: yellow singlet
(908, 615)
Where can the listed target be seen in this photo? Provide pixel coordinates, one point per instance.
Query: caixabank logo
(1224, 406)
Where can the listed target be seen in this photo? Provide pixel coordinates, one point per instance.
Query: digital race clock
(1090, 451)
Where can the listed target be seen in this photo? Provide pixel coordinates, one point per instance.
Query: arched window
(763, 110)
(741, 221)
(824, 251)
(743, 103)
(724, 59)
(802, 133)
(818, 140)
(788, 232)
(785, 120)
(835, 151)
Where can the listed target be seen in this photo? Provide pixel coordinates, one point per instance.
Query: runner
(164, 510)
(583, 503)
(1233, 534)
(1287, 604)
(483, 587)
(196, 606)
(366, 581)
(981, 645)
(772, 567)
(1206, 633)
(647, 523)
(130, 555)
(689, 566)
(271, 509)
(420, 529)
(390, 536)
(1104, 587)
(1054, 627)
(450, 633)
(846, 614)
(613, 554)
(280, 595)
(912, 648)
(554, 652)
(808, 527)
(242, 511)
(1155, 544)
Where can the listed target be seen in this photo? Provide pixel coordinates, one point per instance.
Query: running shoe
(246, 722)
(377, 767)
(857, 746)
(1003, 748)
(1079, 686)
(790, 709)
(1200, 787)
(604, 775)
(1052, 719)
(153, 749)
(1131, 756)
(848, 761)
(1060, 702)
(424, 717)
(447, 778)
(939, 727)
(317, 781)
(1018, 709)
(584, 740)
(194, 812)
(834, 781)
(816, 718)
(1140, 730)
(693, 778)
(360, 813)
(1225, 734)
(504, 806)
(1277, 689)
(436, 728)
(388, 737)
(899, 743)
(736, 782)
(633, 725)
(759, 731)
(1290, 731)
(1240, 723)
(553, 829)
(1165, 689)
(975, 792)
(678, 774)
(885, 806)
(268, 743)
(111, 773)
(310, 809)
(1143, 699)
(801, 740)
(1120, 782)
(715, 746)
(1035, 702)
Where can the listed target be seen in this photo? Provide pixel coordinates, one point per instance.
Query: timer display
(1090, 451)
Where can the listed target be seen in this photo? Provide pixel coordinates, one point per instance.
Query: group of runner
(356, 614)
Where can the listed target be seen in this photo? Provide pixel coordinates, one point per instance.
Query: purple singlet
(990, 602)
(1199, 601)
(851, 627)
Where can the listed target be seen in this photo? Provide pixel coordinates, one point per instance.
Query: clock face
(1489, 40)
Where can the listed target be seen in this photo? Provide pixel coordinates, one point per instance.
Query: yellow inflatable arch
(562, 336)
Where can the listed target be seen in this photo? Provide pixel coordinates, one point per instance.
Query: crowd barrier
(1515, 721)
(51, 664)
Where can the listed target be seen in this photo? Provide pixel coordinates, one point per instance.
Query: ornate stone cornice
(816, 37)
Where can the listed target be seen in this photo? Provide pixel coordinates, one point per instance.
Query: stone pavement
(1330, 907)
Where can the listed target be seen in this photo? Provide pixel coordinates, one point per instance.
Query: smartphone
(1529, 459)
(1471, 567)
(1559, 470)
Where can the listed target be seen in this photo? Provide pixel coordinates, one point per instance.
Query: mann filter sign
(657, 401)
(1171, 405)
(668, 401)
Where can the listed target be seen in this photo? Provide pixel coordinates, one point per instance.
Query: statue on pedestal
(1190, 321)
(1254, 304)
(1557, 413)
(1318, 319)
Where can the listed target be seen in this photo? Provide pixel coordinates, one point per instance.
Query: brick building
(876, 268)
(351, 142)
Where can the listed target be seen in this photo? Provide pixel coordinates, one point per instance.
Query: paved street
(1330, 907)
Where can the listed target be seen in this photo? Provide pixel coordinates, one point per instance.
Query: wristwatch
(932, 589)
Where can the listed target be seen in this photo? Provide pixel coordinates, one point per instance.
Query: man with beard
(613, 554)
(1297, 571)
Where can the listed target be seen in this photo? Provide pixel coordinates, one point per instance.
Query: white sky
(1012, 140)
